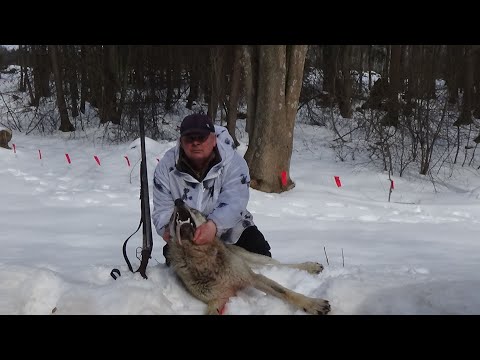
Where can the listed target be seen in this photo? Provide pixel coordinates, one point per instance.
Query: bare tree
(217, 79)
(250, 66)
(280, 73)
(234, 92)
(344, 90)
(393, 106)
(23, 68)
(465, 117)
(41, 73)
(108, 106)
(71, 76)
(65, 124)
(83, 78)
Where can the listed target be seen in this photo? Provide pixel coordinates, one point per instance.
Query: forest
(404, 107)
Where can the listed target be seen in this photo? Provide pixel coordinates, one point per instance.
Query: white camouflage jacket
(222, 195)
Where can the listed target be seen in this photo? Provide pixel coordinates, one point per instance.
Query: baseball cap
(197, 124)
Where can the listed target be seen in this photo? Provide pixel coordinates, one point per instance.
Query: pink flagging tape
(284, 178)
(337, 181)
(283, 173)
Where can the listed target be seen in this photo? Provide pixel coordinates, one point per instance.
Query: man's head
(197, 137)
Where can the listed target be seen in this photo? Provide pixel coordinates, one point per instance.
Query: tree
(65, 124)
(71, 76)
(465, 117)
(344, 89)
(41, 73)
(217, 79)
(83, 78)
(234, 92)
(394, 88)
(108, 104)
(277, 88)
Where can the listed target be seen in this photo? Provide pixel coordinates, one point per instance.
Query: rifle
(147, 247)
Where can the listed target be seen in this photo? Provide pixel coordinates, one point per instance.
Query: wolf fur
(214, 272)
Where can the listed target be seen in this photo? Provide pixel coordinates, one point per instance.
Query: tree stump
(5, 137)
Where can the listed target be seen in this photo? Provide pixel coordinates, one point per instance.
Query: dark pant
(251, 239)
(254, 241)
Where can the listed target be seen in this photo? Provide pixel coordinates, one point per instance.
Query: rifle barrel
(145, 200)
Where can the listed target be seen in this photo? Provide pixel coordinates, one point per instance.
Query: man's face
(198, 147)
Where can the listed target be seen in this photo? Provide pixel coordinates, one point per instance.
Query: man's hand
(166, 234)
(205, 233)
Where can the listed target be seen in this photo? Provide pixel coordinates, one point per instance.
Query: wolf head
(184, 221)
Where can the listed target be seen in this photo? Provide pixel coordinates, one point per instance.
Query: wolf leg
(307, 304)
(215, 307)
(308, 266)
(260, 260)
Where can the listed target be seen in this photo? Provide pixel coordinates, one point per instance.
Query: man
(206, 172)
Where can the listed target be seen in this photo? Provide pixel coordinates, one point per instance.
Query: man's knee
(254, 241)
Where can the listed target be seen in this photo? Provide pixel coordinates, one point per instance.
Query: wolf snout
(178, 202)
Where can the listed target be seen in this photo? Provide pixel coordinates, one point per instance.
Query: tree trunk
(453, 58)
(83, 78)
(36, 76)
(250, 67)
(330, 73)
(194, 79)
(65, 124)
(216, 80)
(125, 72)
(476, 85)
(280, 76)
(23, 68)
(169, 79)
(370, 67)
(94, 66)
(30, 90)
(391, 118)
(345, 91)
(71, 72)
(234, 93)
(465, 117)
(193, 93)
(41, 73)
(108, 107)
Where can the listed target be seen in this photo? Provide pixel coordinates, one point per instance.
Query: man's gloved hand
(205, 233)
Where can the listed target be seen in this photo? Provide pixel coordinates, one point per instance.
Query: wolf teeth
(180, 222)
(179, 225)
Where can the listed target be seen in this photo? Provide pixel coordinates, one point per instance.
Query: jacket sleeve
(163, 203)
(233, 197)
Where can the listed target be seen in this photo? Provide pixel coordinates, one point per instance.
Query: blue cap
(197, 124)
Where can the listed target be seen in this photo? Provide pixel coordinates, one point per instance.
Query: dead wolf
(214, 272)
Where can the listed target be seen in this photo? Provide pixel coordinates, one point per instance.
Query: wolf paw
(312, 267)
(317, 307)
